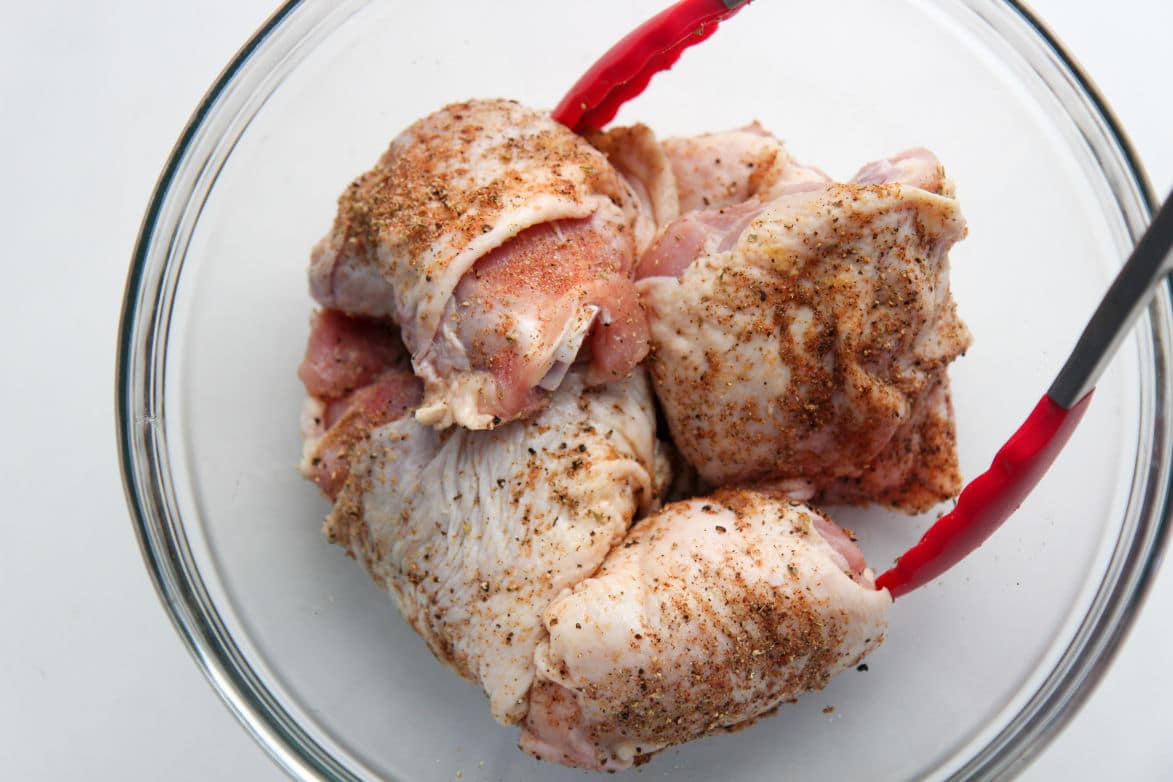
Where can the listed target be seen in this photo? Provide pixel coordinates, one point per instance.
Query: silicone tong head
(625, 70)
(989, 499)
(993, 496)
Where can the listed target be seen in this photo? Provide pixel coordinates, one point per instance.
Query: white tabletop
(94, 683)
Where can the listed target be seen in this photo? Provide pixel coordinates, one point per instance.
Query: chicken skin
(644, 163)
(473, 533)
(803, 343)
(716, 170)
(709, 614)
(503, 245)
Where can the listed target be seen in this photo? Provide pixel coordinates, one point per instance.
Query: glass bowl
(980, 668)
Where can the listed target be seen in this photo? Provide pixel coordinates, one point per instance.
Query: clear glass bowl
(980, 668)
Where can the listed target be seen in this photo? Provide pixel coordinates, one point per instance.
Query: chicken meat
(710, 614)
(357, 377)
(803, 343)
(473, 533)
(503, 245)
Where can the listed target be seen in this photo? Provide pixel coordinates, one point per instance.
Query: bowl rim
(144, 463)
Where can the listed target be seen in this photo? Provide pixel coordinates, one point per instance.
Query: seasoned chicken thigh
(473, 533)
(803, 344)
(503, 245)
(709, 614)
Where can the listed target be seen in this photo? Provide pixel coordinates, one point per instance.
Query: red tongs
(986, 502)
(625, 70)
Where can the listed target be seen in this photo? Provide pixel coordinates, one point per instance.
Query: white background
(94, 683)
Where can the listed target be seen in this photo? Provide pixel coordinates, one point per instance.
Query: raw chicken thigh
(804, 344)
(474, 532)
(503, 245)
(709, 614)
